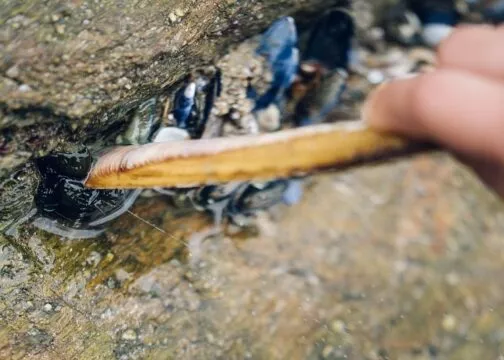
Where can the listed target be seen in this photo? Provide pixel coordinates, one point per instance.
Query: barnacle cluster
(281, 79)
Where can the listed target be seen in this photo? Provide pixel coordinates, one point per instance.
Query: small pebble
(48, 307)
(434, 34)
(12, 72)
(327, 351)
(60, 29)
(249, 123)
(169, 134)
(172, 17)
(338, 327)
(452, 279)
(24, 88)
(269, 118)
(376, 77)
(55, 17)
(234, 115)
(449, 322)
(129, 335)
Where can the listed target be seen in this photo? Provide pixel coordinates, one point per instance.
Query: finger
(459, 110)
(477, 48)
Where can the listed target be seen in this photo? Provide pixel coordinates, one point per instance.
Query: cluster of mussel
(306, 83)
(309, 76)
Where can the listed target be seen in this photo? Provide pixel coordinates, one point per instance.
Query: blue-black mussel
(323, 72)
(193, 102)
(64, 206)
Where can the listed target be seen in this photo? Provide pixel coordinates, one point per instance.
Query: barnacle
(17, 197)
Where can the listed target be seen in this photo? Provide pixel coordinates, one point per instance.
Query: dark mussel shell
(61, 197)
(208, 94)
(207, 196)
(401, 25)
(192, 113)
(324, 71)
(184, 106)
(330, 40)
(72, 161)
(278, 46)
(493, 11)
(436, 11)
(256, 197)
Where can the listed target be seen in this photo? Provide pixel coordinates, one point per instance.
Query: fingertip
(474, 48)
(459, 39)
(458, 109)
(388, 107)
(369, 112)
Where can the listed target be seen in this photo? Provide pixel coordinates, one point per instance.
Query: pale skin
(459, 105)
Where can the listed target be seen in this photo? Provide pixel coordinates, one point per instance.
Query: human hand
(459, 105)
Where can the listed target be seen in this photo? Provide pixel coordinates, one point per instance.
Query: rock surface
(387, 262)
